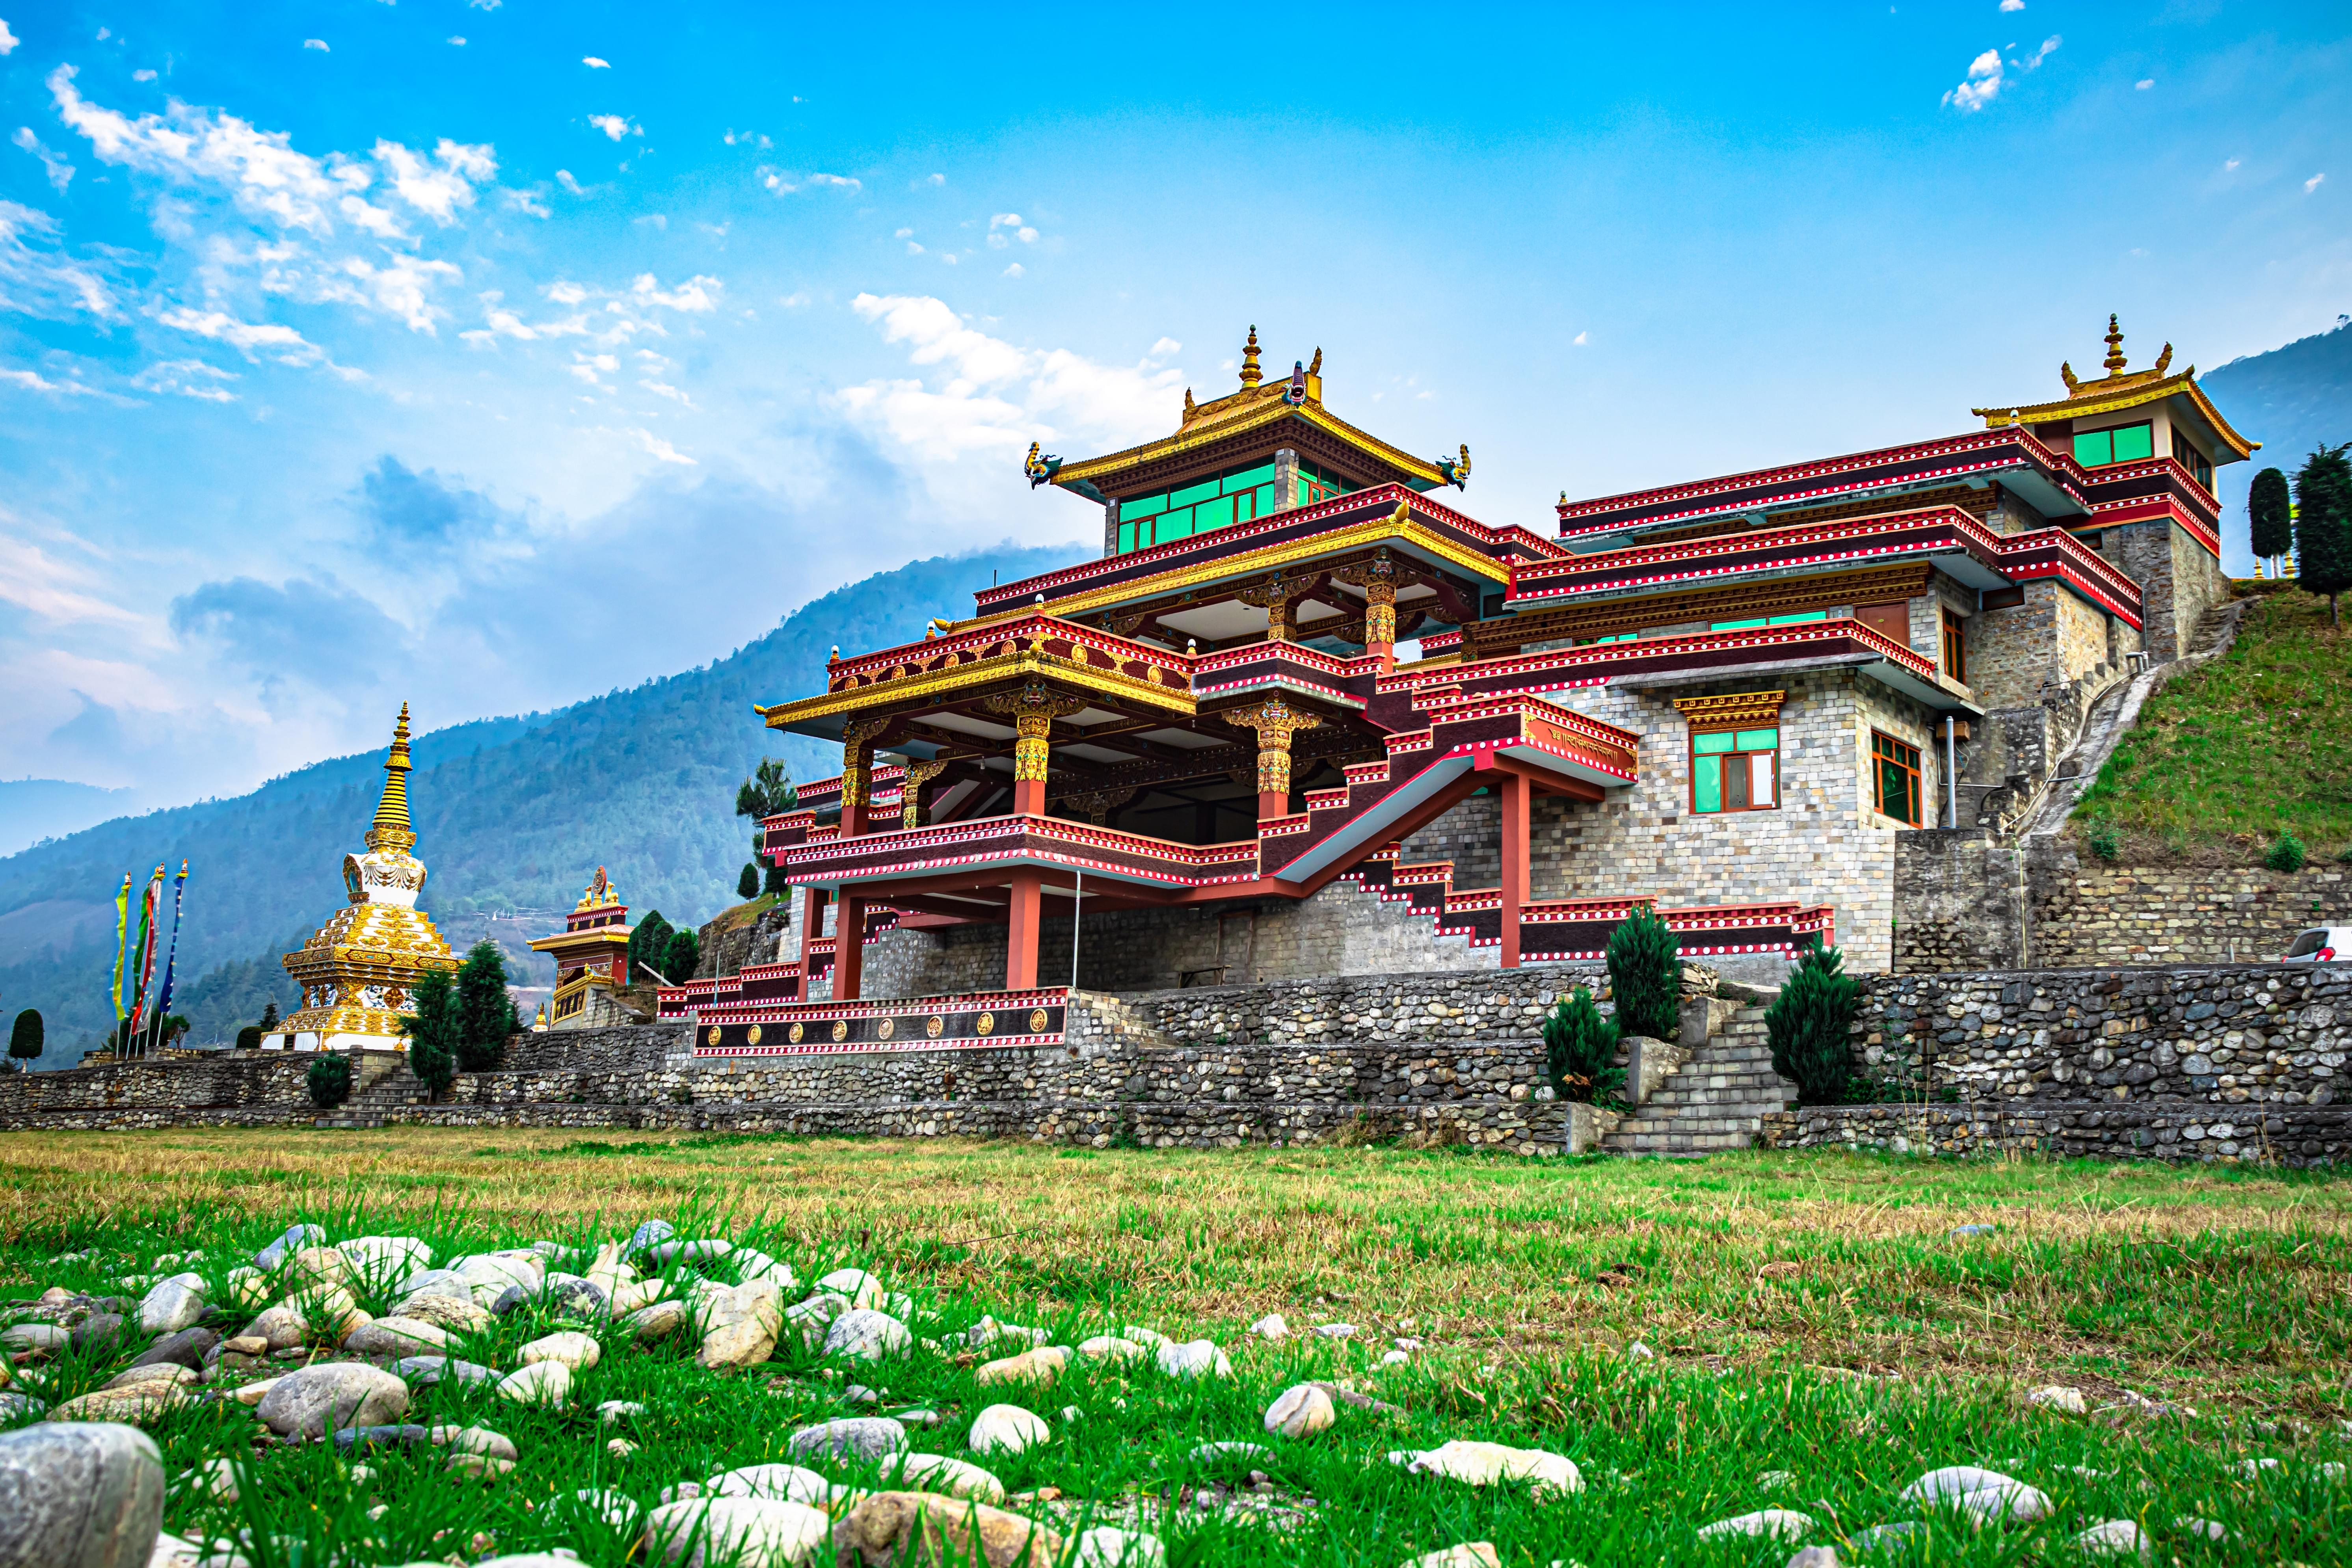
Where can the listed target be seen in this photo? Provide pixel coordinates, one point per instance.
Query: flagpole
(171, 953)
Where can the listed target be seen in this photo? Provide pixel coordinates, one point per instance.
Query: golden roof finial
(1191, 410)
(1315, 365)
(392, 828)
(1250, 374)
(2115, 359)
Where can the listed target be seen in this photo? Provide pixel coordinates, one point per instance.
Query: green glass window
(1799, 620)
(1249, 478)
(1215, 512)
(1737, 626)
(1769, 621)
(2130, 443)
(1896, 766)
(1736, 769)
(2134, 442)
(1141, 507)
(1191, 493)
(1125, 537)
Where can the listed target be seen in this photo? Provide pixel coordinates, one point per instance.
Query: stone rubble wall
(2288, 1135)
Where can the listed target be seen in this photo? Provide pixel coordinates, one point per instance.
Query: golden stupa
(357, 972)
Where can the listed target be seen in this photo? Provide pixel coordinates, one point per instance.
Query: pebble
(620, 1448)
(1814, 1557)
(1106, 1546)
(386, 1257)
(216, 1478)
(294, 1238)
(570, 1348)
(918, 1418)
(570, 1296)
(790, 1482)
(1986, 1495)
(1271, 1327)
(366, 1439)
(751, 1264)
(14, 1405)
(424, 1371)
(1229, 1449)
(315, 1267)
(35, 1339)
(612, 1412)
(480, 1465)
(1040, 1366)
(1104, 1347)
(747, 1531)
(541, 1383)
(172, 1305)
(1773, 1480)
(944, 1473)
(1637, 1351)
(1150, 1338)
(476, 1441)
(1893, 1534)
(187, 1348)
(739, 1324)
(1395, 1358)
(899, 1527)
(866, 1334)
(245, 1289)
(80, 1497)
(2057, 1396)
(1300, 1410)
(1973, 1229)
(1783, 1523)
(455, 1313)
(2117, 1537)
(1336, 1330)
(616, 1510)
(862, 1289)
(1467, 1554)
(170, 1373)
(2211, 1528)
(2253, 1468)
(705, 1251)
(394, 1337)
(97, 1334)
(652, 1233)
(1007, 1429)
(851, 1436)
(1480, 1464)
(649, 1324)
(133, 1406)
(1200, 1358)
(317, 1400)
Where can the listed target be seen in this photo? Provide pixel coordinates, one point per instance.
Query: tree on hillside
(24, 1036)
(680, 957)
(2270, 517)
(433, 1031)
(268, 1018)
(2323, 526)
(648, 945)
(485, 1012)
(775, 883)
(747, 885)
(767, 791)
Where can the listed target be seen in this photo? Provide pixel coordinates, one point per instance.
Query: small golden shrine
(590, 952)
(358, 972)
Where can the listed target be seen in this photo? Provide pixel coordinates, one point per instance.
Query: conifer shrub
(269, 1016)
(25, 1037)
(485, 1012)
(330, 1079)
(747, 885)
(433, 1031)
(1645, 975)
(1580, 1050)
(680, 956)
(1808, 1025)
(249, 1037)
(2286, 853)
(775, 883)
(2105, 841)
(647, 943)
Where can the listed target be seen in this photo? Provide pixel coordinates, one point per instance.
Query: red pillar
(1029, 797)
(1020, 937)
(1514, 793)
(812, 924)
(848, 948)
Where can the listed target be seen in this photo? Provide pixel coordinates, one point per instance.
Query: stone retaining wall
(2288, 1135)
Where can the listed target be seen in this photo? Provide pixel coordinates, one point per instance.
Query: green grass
(2227, 1288)
(2225, 757)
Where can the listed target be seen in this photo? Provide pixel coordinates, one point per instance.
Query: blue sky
(488, 355)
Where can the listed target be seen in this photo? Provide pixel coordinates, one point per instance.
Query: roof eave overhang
(1419, 472)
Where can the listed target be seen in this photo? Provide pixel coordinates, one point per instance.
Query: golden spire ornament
(1251, 375)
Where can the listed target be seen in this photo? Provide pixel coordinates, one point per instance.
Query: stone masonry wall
(2300, 1135)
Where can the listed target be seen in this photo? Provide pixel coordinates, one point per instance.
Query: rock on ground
(1986, 1495)
(1482, 1464)
(739, 1325)
(750, 1532)
(1200, 1358)
(395, 1337)
(850, 1437)
(135, 1406)
(862, 1289)
(924, 1531)
(1040, 1366)
(295, 1237)
(791, 1483)
(1007, 1429)
(540, 1383)
(187, 1348)
(80, 1497)
(657, 1322)
(1103, 1347)
(866, 1334)
(1300, 1410)
(2057, 1396)
(1271, 1327)
(943, 1473)
(1468, 1555)
(573, 1349)
(457, 1313)
(317, 1401)
(1106, 1546)
(1783, 1523)
(171, 1304)
(2116, 1538)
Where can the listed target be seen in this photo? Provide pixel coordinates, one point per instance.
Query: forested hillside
(2291, 400)
(508, 812)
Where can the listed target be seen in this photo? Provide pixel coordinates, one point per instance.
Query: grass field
(2258, 741)
(1764, 1283)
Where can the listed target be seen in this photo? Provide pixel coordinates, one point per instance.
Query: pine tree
(269, 1016)
(2323, 526)
(1580, 1047)
(485, 1012)
(1645, 975)
(329, 1080)
(776, 885)
(1808, 1025)
(648, 944)
(747, 885)
(2270, 517)
(680, 957)
(25, 1037)
(249, 1037)
(433, 1031)
(766, 793)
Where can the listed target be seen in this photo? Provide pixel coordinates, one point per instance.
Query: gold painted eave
(939, 688)
(1208, 431)
(2092, 403)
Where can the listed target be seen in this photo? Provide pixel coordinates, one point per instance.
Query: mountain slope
(2290, 399)
(510, 813)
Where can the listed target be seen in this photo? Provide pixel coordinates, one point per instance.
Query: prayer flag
(122, 943)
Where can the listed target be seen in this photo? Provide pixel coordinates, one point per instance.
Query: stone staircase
(381, 1087)
(1715, 1099)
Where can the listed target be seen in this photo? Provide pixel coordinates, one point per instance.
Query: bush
(776, 884)
(249, 1037)
(433, 1031)
(330, 1080)
(2105, 841)
(680, 956)
(1645, 975)
(485, 1010)
(2285, 854)
(647, 942)
(1580, 1047)
(747, 885)
(1808, 1027)
(25, 1035)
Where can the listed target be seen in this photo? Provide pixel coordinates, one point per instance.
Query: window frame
(1882, 759)
(1695, 754)
(1955, 645)
(2111, 432)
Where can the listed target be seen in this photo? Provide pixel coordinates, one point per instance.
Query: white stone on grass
(1007, 1429)
(1395, 1358)
(1336, 1330)
(862, 1289)
(749, 1533)
(1151, 1337)
(739, 1325)
(541, 1383)
(615, 1510)
(1987, 1497)
(1226, 1448)
(943, 1473)
(851, 1437)
(1108, 1546)
(867, 1335)
(396, 1337)
(2116, 1538)
(1040, 1366)
(380, 1256)
(1482, 1464)
(245, 1289)
(1467, 1554)
(2058, 1397)
(1300, 1410)
(172, 1304)
(1637, 1351)
(1271, 1327)
(1104, 1347)
(1782, 1524)
(480, 1440)
(575, 1349)
(319, 1401)
(791, 1483)
(2211, 1528)
(1200, 1358)
(1813, 1557)
(612, 1412)
(295, 1238)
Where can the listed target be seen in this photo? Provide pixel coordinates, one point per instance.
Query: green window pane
(1794, 620)
(1706, 782)
(1737, 626)
(1171, 525)
(1125, 537)
(1720, 741)
(1191, 493)
(2093, 448)
(1262, 499)
(1249, 478)
(2134, 442)
(1213, 514)
(1757, 740)
(1141, 507)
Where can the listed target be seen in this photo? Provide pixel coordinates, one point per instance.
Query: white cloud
(2313, 184)
(563, 177)
(660, 448)
(997, 241)
(1983, 84)
(615, 125)
(913, 249)
(795, 301)
(2012, 4)
(437, 191)
(529, 201)
(458, 40)
(1005, 220)
(60, 173)
(786, 185)
(661, 389)
(694, 294)
(1165, 347)
(2228, 165)
(948, 258)
(318, 44)
(593, 63)
(2144, 84)
(289, 345)
(1582, 340)
(484, 5)
(33, 381)
(36, 277)
(7, 38)
(399, 287)
(1016, 270)
(564, 293)
(188, 378)
(936, 180)
(2032, 62)
(142, 75)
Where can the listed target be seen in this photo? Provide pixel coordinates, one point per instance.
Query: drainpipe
(1951, 773)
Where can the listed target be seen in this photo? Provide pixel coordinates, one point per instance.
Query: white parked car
(2321, 944)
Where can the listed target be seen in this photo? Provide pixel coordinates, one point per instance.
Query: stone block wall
(2230, 1035)
(223, 1081)
(2178, 579)
(2295, 1135)
(1959, 902)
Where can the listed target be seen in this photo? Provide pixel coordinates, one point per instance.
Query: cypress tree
(747, 885)
(25, 1037)
(485, 1012)
(2270, 517)
(776, 885)
(1807, 1028)
(1645, 975)
(433, 1031)
(269, 1016)
(649, 945)
(680, 957)
(1580, 1048)
(329, 1080)
(2323, 526)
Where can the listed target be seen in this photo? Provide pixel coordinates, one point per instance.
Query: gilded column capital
(1277, 597)
(910, 790)
(1275, 722)
(1033, 711)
